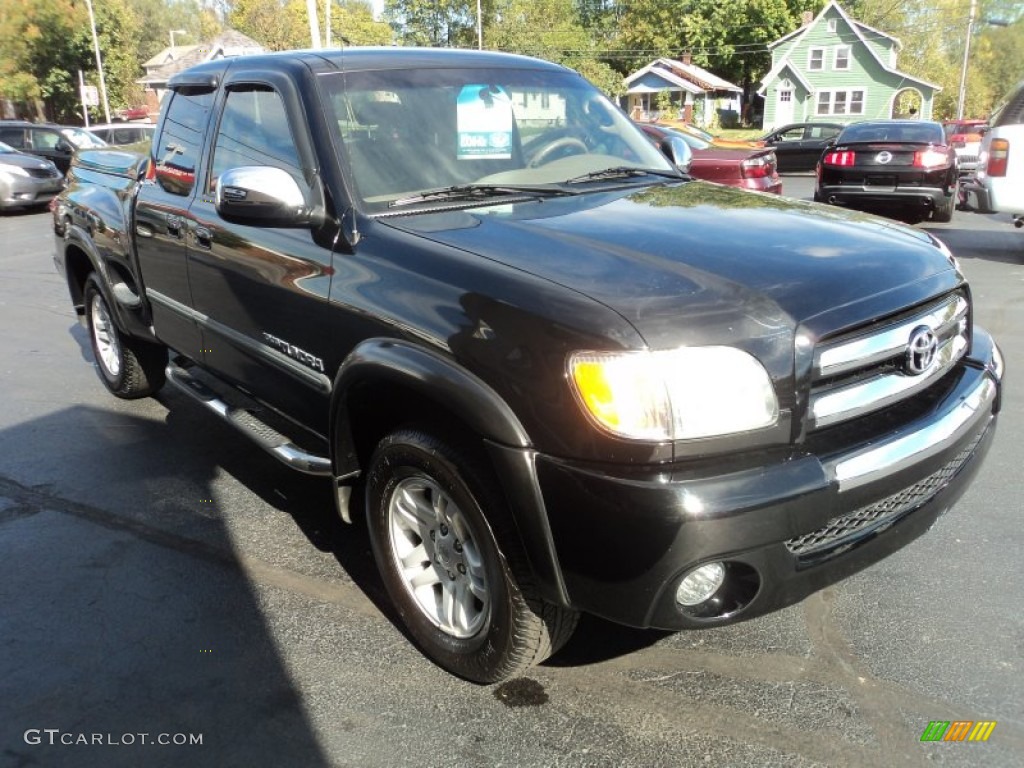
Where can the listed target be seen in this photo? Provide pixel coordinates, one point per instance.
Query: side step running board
(246, 422)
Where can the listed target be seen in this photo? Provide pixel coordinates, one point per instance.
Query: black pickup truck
(557, 374)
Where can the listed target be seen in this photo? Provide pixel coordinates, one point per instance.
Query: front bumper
(26, 192)
(784, 527)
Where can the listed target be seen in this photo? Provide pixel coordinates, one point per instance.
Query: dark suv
(57, 143)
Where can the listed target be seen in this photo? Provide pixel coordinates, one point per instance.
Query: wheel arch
(385, 383)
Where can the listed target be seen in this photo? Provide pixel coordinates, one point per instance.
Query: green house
(835, 69)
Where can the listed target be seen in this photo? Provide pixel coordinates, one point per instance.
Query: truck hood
(698, 257)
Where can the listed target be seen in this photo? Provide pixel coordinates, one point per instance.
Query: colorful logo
(958, 730)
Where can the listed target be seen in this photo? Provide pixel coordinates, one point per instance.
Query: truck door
(263, 290)
(160, 218)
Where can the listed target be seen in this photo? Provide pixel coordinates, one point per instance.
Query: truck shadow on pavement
(128, 619)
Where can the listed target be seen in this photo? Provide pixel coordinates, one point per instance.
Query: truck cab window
(254, 131)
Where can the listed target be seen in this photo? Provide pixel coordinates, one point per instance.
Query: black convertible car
(887, 164)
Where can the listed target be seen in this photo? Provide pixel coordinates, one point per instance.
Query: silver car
(26, 180)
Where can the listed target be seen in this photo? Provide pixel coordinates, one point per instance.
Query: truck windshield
(409, 131)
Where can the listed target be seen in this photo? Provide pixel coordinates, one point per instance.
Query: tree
(353, 20)
(728, 37)
(268, 23)
(551, 30)
(41, 52)
(447, 23)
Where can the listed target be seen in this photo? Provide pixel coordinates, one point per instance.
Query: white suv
(1000, 174)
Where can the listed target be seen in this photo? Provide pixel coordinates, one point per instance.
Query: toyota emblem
(921, 350)
(883, 157)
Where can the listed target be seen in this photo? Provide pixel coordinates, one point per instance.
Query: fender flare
(426, 372)
(483, 411)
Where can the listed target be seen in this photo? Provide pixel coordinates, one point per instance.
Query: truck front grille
(842, 533)
(868, 370)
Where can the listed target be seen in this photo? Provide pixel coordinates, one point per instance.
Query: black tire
(817, 197)
(130, 368)
(459, 540)
(944, 213)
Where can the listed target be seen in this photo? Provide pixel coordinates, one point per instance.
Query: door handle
(204, 237)
(174, 226)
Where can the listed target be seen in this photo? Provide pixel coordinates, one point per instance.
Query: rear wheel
(451, 561)
(944, 213)
(129, 367)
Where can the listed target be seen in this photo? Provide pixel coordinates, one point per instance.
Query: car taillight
(844, 158)
(998, 157)
(150, 170)
(758, 167)
(930, 158)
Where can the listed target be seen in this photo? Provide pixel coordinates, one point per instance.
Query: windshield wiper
(623, 172)
(473, 191)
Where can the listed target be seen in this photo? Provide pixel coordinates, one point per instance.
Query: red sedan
(755, 168)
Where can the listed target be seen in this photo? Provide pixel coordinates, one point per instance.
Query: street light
(177, 32)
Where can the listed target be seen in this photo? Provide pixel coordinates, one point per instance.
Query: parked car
(1000, 176)
(746, 168)
(798, 146)
(56, 143)
(26, 180)
(121, 134)
(964, 136)
(886, 164)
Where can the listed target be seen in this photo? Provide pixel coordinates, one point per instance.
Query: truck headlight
(674, 394)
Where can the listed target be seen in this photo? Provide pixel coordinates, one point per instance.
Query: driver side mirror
(677, 151)
(63, 145)
(262, 195)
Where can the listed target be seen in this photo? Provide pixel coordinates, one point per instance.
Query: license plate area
(880, 181)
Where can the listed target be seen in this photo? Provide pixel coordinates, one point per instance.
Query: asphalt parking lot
(170, 595)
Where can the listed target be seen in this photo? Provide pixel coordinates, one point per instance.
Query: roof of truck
(355, 59)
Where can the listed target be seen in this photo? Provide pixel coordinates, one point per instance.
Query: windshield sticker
(484, 115)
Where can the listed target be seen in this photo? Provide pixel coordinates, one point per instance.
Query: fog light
(700, 584)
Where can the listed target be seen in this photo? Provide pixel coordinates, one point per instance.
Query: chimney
(686, 58)
(806, 18)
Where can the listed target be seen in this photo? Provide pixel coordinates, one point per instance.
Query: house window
(785, 95)
(832, 24)
(842, 57)
(816, 59)
(856, 102)
(841, 102)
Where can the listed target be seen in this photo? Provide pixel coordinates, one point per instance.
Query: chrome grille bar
(876, 347)
(856, 376)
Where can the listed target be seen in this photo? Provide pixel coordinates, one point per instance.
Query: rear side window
(177, 153)
(14, 137)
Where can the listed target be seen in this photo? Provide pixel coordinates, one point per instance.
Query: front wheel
(129, 367)
(450, 559)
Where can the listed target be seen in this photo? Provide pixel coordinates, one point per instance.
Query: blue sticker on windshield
(484, 119)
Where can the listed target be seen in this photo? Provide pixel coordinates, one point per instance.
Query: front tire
(130, 368)
(451, 561)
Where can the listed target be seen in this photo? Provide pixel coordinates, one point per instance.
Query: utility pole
(99, 60)
(967, 54)
(479, 27)
(314, 24)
